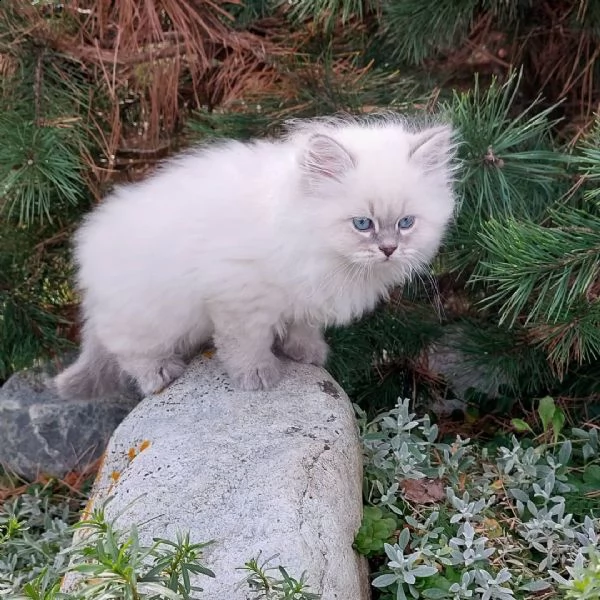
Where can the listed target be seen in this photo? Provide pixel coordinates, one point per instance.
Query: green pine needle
(540, 271)
(40, 170)
(414, 30)
(508, 168)
(327, 12)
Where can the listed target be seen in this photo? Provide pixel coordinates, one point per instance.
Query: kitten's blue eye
(362, 223)
(406, 222)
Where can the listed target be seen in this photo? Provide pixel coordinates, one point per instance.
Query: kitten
(258, 246)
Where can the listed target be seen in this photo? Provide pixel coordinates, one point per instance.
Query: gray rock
(459, 370)
(42, 434)
(275, 473)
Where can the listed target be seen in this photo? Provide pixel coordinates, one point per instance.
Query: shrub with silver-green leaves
(34, 531)
(499, 530)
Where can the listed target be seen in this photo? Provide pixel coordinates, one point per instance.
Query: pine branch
(374, 360)
(27, 333)
(40, 169)
(321, 89)
(33, 293)
(414, 30)
(508, 167)
(506, 357)
(538, 271)
(575, 338)
(327, 13)
(582, 382)
(245, 14)
(44, 133)
(587, 161)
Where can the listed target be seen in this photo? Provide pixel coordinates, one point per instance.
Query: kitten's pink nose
(388, 250)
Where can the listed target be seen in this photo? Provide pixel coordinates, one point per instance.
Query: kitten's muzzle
(388, 250)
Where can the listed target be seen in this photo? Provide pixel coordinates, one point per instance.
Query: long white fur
(253, 244)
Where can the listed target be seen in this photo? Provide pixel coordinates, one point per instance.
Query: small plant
(115, 563)
(37, 550)
(105, 563)
(584, 580)
(34, 531)
(500, 531)
(405, 568)
(263, 586)
(377, 528)
(551, 416)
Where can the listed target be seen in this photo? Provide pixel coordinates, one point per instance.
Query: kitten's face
(377, 238)
(384, 205)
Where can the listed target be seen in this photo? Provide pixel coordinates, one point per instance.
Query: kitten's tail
(95, 373)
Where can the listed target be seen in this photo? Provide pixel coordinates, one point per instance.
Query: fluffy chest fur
(334, 294)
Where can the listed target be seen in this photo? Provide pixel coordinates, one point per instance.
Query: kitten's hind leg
(153, 374)
(304, 343)
(244, 345)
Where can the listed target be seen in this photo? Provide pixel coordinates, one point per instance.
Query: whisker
(424, 275)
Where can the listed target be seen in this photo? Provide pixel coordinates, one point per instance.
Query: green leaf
(558, 422)
(521, 425)
(200, 569)
(536, 586)
(564, 454)
(434, 593)
(385, 580)
(153, 589)
(400, 595)
(591, 474)
(518, 494)
(424, 571)
(372, 513)
(404, 538)
(546, 411)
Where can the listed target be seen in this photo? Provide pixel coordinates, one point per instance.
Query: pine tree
(515, 291)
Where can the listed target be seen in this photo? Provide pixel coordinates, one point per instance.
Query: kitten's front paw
(261, 377)
(312, 351)
(160, 375)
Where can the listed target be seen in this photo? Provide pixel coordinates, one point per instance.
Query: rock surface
(42, 434)
(459, 370)
(275, 472)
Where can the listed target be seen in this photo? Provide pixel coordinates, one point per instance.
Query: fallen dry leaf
(423, 491)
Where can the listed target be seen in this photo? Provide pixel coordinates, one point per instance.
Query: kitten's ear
(325, 159)
(434, 147)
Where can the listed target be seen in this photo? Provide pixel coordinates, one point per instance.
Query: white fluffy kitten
(258, 245)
